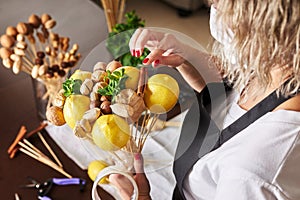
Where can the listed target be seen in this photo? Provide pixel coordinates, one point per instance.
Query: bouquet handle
(113, 170)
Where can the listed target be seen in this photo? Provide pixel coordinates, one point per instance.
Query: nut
(5, 52)
(94, 96)
(45, 17)
(21, 45)
(94, 104)
(11, 31)
(78, 131)
(55, 116)
(20, 38)
(16, 68)
(7, 62)
(86, 87)
(50, 24)
(19, 52)
(113, 65)
(85, 125)
(92, 114)
(7, 41)
(34, 20)
(42, 70)
(99, 85)
(105, 107)
(22, 28)
(35, 71)
(99, 66)
(41, 37)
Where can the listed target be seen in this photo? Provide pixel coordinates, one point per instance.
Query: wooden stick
(19, 137)
(108, 21)
(46, 162)
(121, 11)
(34, 153)
(49, 149)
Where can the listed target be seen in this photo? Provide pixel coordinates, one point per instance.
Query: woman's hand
(124, 185)
(165, 48)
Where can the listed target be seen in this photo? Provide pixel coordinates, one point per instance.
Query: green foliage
(116, 83)
(118, 40)
(71, 86)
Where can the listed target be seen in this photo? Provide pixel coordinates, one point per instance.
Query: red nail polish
(145, 60)
(138, 53)
(137, 156)
(133, 52)
(156, 62)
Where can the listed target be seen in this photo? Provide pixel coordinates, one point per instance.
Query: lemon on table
(133, 75)
(80, 74)
(110, 132)
(94, 168)
(161, 93)
(74, 108)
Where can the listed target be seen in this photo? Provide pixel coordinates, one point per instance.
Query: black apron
(198, 126)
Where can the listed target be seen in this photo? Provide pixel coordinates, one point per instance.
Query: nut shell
(55, 116)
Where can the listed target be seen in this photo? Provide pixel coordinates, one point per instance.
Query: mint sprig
(116, 82)
(71, 86)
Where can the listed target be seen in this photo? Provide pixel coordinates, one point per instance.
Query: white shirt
(262, 162)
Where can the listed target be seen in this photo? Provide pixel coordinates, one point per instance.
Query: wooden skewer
(49, 149)
(121, 11)
(42, 158)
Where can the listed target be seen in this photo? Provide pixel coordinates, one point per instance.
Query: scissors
(44, 188)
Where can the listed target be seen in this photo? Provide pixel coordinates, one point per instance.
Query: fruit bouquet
(114, 107)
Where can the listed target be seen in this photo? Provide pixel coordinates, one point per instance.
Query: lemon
(80, 74)
(133, 75)
(74, 108)
(110, 132)
(94, 168)
(161, 93)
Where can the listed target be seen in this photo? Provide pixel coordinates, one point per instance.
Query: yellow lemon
(74, 108)
(110, 132)
(161, 93)
(80, 74)
(133, 75)
(94, 168)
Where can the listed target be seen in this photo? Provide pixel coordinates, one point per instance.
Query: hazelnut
(113, 65)
(105, 107)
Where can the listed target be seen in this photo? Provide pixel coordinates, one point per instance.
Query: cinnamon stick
(34, 131)
(19, 137)
(142, 81)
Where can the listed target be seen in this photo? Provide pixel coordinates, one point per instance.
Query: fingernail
(137, 156)
(138, 53)
(145, 60)
(133, 52)
(156, 62)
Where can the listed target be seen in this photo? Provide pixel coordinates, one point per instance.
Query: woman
(257, 51)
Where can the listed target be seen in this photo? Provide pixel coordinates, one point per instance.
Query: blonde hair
(266, 35)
